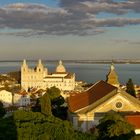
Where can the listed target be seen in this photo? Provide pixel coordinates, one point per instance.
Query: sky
(69, 29)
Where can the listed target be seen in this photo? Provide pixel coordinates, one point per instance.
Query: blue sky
(69, 29)
(49, 2)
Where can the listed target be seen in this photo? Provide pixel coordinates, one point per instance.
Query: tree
(2, 110)
(8, 129)
(46, 104)
(130, 88)
(115, 127)
(53, 92)
(37, 106)
(56, 103)
(50, 102)
(28, 125)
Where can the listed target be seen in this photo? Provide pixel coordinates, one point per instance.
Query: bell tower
(24, 74)
(40, 67)
(24, 67)
(112, 77)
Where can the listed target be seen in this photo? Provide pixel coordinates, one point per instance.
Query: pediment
(120, 102)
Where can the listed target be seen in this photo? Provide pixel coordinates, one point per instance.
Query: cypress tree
(46, 104)
(130, 88)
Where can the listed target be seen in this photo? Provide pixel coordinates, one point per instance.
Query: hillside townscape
(36, 104)
(69, 69)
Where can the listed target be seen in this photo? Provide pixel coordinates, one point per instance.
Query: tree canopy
(53, 92)
(51, 103)
(2, 110)
(27, 125)
(130, 88)
(46, 104)
(115, 127)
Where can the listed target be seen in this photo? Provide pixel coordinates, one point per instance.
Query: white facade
(6, 98)
(21, 100)
(137, 131)
(9, 99)
(39, 77)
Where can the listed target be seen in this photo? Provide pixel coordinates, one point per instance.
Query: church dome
(60, 68)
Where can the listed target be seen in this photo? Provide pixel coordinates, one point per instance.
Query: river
(89, 72)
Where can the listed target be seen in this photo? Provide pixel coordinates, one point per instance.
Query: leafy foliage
(36, 126)
(2, 110)
(84, 136)
(8, 129)
(46, 104)
(113, 126)
(51, 103)
(53, 92)
(130, 88)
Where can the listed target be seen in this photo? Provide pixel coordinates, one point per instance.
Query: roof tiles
(134, 120)
(94, 93)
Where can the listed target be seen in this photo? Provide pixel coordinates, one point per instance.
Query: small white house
(6, 98)
(9, 99)
(21, 100)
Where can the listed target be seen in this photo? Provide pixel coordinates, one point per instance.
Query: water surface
(90, 73)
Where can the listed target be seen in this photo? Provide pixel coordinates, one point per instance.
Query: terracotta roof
(23, 93)
(93, 94)
(134, 120)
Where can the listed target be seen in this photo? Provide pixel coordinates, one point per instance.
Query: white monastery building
(40, 78)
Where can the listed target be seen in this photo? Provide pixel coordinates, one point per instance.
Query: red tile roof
(134, 120)
(97, 91)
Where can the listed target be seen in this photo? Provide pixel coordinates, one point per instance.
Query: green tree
(115, 127)
(46, 104)
(2, 110)
(84, 136)
(37, 106)
(28, 125)
(8, 129)
(50, 103)
(53, 92)
(130, 88)
(56, 103)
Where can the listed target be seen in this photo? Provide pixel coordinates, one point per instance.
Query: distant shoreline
(82, 61)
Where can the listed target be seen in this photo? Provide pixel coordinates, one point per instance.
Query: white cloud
(77, 17)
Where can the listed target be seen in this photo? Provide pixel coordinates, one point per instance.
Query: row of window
(3, 95)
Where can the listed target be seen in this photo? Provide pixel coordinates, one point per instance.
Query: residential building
(13, 99)
(6, 98)
(21, 100)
